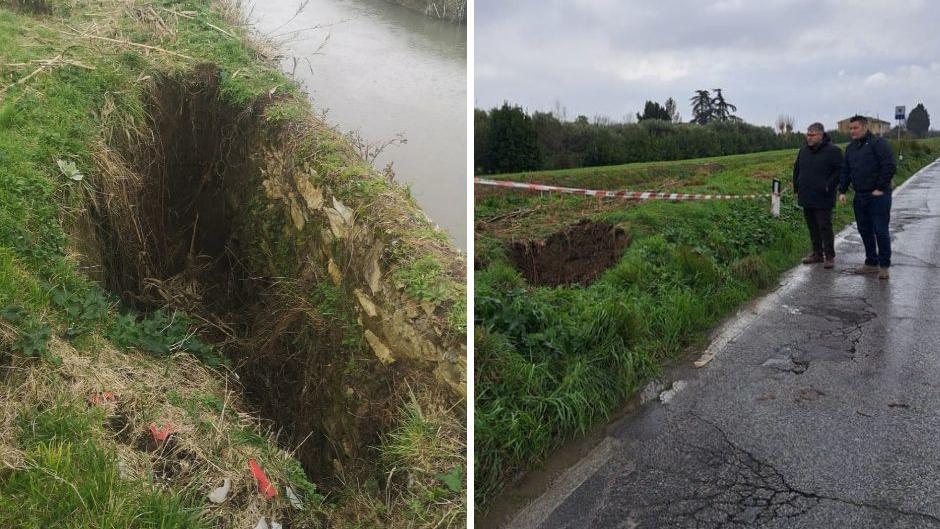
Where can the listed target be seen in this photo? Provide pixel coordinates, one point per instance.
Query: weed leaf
(70, 170)
(453, 479)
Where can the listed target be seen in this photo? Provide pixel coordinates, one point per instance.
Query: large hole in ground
(577, 254)
(172, 235)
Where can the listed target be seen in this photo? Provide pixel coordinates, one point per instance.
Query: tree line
(508, 139)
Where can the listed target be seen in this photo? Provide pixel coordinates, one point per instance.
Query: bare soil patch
(576, 255)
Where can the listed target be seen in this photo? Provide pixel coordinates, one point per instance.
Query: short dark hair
(816, 127)
(858, 119)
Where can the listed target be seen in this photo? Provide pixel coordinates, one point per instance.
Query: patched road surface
(822, 412)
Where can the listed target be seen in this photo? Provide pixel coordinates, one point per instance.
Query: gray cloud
(813, 59)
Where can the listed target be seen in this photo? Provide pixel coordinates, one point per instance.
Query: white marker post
(775, 199)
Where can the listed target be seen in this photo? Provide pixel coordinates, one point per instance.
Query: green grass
(614, 176)
(424, 446)
(424, 279)
(77, 485)
(553, 362)
(71, 479)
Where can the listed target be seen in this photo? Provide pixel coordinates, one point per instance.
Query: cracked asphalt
(823, 412)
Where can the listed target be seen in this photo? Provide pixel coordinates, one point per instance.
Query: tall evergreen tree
(918, 121)
(512, 141)
(722, 109)
(652, 110)
(551, 136)
(481, 143)
(702, 111)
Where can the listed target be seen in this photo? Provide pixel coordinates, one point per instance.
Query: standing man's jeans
(873, 215)
(819, 222)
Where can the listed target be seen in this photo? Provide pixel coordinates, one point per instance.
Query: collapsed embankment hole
(169, 239)
(171, 234)
(577, 254)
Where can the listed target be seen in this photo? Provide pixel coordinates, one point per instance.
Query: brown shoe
(812, 258)
(882, 273)
(830, 262)
(865, 269)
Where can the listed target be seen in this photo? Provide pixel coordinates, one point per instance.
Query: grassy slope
(551, 362)
(62, 460)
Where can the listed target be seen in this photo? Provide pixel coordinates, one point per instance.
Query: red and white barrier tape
(627, 195)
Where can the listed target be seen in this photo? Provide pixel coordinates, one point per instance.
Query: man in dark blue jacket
(816, 173)
(869, 166)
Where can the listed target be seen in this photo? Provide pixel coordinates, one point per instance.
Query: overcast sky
(815, 60)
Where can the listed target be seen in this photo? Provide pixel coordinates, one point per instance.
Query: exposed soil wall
(222, 213)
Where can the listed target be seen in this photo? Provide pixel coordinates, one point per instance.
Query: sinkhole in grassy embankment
(176, 231)
(184, 222)
(575, 255)
(163, 210)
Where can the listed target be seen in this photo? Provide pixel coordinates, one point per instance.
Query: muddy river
(387, 73)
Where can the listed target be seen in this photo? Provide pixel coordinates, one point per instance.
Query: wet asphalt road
(824, 412)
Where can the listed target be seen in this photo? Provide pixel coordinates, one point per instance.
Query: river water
(383, 71)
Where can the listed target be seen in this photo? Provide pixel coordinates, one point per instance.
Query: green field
(552, 361)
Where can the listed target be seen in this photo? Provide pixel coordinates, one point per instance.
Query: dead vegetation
(213, 440)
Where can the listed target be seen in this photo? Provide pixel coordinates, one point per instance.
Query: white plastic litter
(275, 525)
(262, 524)
(294, 500)
(218, 495)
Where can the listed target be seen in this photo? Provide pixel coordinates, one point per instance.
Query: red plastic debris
(264, 484)
(163, 433)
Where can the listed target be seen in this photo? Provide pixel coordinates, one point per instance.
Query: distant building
(875, 125)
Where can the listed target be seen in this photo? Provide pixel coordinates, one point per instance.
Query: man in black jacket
(816, 174)
(869, 166)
